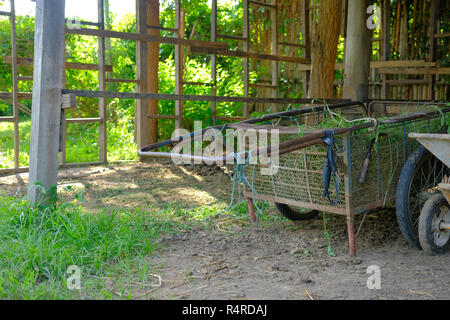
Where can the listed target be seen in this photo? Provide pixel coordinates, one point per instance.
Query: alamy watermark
(228, 147)
(374, 280)
(374, 21)
(74, 279)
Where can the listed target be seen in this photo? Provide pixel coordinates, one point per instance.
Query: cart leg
(251, 210)
(351, 234)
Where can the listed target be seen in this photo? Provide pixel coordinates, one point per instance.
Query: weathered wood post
(141, 109)
(356, 80)
(45, 120)
(357, 52)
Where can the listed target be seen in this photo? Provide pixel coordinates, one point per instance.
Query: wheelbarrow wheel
(434, 239)
(420, 175)
(296, 214)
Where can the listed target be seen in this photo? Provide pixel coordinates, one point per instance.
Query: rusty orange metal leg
(351, 234)
(251, 211)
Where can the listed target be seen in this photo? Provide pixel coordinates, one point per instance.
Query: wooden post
(386, 14)
(102, 84)
(246, 36)
(275, 46)
(179, 63)
(306, 35)
(357, 52)
(434, 18)
(141, 110)
(214, 61)
(45, 120)
(153, 67)
(15, 90)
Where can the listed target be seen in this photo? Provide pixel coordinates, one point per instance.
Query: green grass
(38, 245)
(113, 248)
(82, 143)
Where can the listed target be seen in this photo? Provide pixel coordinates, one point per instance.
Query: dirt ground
(284, 260)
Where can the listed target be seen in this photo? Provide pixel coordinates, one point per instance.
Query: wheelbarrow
(434, 220)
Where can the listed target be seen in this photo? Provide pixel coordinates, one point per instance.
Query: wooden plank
(5, 13)
(85, 120)
(425, 71)
(263, 85)
(262, 4)
(407, 82)
(22, 78)
(288, 44)
(190, 83)
(238, 38)
(442, 35)
(69, 65)
(7, 119)
(184, 97)
(252, 55)
(21, 95)
(122, 81)
(151, 27)
(146, 37)
(162, 116)
(401, 64)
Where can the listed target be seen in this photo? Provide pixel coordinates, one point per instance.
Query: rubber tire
(402, 196)
(426, 216)
(294, 215)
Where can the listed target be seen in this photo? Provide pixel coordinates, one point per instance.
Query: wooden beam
(252, 55)
(146, 37)
(68, 65)
(442, 35)
(425, 71)
(262, 4)
(184, 97)
(45, 119)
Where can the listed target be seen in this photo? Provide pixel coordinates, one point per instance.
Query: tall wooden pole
(434, 18)
(141, 110)
(246, 61)
(45, 119)
(386, 13)
(102, 83)
(357, 52)
(153, 66)
(214, 60)
(179, 63)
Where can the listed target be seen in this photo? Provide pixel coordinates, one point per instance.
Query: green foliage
(38, 245)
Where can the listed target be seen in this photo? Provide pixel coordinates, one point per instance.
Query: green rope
(240, 177)
(326, 235)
